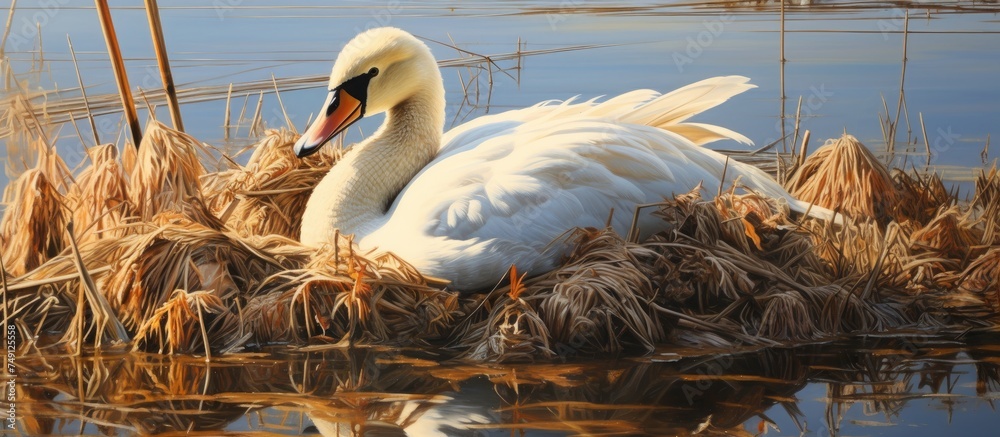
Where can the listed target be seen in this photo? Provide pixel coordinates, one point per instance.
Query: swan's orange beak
(340, 111)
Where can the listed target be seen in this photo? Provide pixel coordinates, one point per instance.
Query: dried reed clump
(796, 253)
(844, 175)
(777, 289)
(744, 214)
(598, 301)
(271, 191)
(946, 235)
(513, 330)
(185, 322)
(32, 229)
(982, 279)
(921, 196)
(987, 204)
(759, 226)
(988, 186)
(351, 297)
(166, 174)
(690, 267)
(786, 315)
(858, 249)
(599, 298)
(178, 254)
(33, 226)
(99, 198)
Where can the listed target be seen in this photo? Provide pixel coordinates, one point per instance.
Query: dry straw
(269, 194)
(32, 228)
(844, 175)
(166, 174)
(99, 199)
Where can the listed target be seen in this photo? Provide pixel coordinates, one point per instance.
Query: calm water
(842, 59)
(901, 386)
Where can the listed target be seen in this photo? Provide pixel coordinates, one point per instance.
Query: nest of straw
(597, 302)
(269, 194)
(725, 272)
(777, 289)
(192, 262)
(149, 266)
(342, 295)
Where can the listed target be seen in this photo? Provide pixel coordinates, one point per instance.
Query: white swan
(503, 188)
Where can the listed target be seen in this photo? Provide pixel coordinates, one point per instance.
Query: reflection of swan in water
(501, 189)
(372, 428)
(448, 415)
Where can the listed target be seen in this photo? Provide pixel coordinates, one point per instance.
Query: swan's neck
(358, 191)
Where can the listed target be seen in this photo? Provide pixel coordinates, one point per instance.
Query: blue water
(841, 59)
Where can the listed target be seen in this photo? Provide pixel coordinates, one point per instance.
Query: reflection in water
(368, 391)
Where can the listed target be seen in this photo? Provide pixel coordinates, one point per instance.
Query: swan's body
(504, 188)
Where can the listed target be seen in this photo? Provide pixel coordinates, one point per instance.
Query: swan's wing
(505, 187)
(641, 107)
(509, 196)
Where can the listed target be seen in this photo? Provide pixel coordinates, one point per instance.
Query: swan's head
(375, 71)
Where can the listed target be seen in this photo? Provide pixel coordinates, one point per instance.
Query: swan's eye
(373, 72)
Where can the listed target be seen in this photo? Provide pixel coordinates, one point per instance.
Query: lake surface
(842, 58)
(900, 385)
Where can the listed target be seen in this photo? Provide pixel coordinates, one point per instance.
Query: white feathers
(505, 187)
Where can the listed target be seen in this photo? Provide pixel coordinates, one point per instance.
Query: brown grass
(982, 279)
(271, 191)
(99, 199)
(844, 175)
(166, 176)
(32, 228)
(345, 296)
(987, 204)
(921, 196)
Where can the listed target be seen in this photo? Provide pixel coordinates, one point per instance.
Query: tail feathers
(701, 134)
(679, 105)
(647, 107)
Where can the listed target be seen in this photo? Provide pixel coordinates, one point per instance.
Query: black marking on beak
(357, 87)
